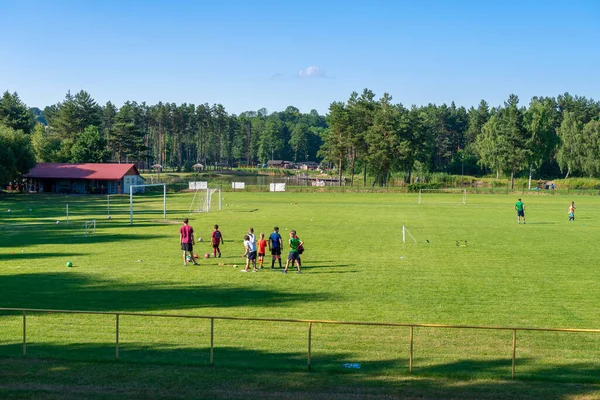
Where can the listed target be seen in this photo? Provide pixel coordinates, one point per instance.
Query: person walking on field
(293, 255)
(249, 253)
(186, 238)
(262, 245)
(216, 239)
(572, 211)
(520, 207)
(275, 246)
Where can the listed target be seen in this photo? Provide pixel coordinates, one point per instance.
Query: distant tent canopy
(157, 166)
(198, 166)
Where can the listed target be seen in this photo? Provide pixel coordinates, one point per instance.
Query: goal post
(164, 185)
(452, 196)
(202, 200)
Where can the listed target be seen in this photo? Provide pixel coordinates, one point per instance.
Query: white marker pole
(165, 201)
(67, 213)
(130, 205)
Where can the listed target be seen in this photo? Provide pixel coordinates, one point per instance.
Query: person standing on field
(572, 211)
(275, 245)
(293, 255)
(216, 239)
(186, 238)
(520, 207)
(249, 253)
(262, 245)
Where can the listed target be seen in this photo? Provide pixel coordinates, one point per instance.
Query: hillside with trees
(365, 135)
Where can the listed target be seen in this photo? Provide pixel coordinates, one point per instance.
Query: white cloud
(312, 72)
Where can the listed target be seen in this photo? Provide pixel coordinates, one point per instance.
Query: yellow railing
(310, 323)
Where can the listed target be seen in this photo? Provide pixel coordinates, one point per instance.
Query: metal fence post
(514, 352)
(117, 337)
(410, 359)
(212, 341)
(24, 333)
(309, 342)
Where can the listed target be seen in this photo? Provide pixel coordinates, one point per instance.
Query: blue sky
(252, 54)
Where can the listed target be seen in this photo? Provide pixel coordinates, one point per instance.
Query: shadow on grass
(60, 290)
(19, 256)
(162, 371)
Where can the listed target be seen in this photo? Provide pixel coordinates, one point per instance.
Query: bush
(415, 187)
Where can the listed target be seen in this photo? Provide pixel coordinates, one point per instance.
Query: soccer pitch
(355, 268)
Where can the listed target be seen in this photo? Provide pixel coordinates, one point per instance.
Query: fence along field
(356, 268)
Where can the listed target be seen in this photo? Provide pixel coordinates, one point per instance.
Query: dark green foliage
(16, 154)
(15, 114)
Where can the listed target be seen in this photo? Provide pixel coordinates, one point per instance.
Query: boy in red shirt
(216, 240)
(262, 245)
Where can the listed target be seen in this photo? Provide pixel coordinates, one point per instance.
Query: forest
(365, 135)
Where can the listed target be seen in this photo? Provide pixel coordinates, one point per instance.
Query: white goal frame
(208, 201)
(445, 191)
(164, 185)
(88, 227)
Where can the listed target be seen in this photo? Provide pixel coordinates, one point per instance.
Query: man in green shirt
(520, 207)
(293, 255)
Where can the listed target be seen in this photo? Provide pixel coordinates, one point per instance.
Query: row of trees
(364, 135)
(174, 136)
(380, 138)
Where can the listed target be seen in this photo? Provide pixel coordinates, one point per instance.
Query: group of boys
(252, 248)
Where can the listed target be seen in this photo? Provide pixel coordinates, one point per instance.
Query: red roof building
(83, 178)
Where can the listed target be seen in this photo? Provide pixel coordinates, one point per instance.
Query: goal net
(88, 227)
(443, 196)
(149, 203)
(406, 235)
(203, 200)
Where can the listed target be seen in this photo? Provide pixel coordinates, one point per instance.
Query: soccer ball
(188, 258)
(69, 264)
(200, 239)
(207, 255)
(108, 217)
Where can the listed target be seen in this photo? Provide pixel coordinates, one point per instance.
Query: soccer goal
(443, 196)
(88, 227)
(406, 234)
(148, 201)
(203, 200)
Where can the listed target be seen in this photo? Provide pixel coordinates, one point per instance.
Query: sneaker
(284, 272)
(195, 263)
(254, 270)
(185, 265)
(219, 255)
(272, 267)
(299, 272)
(244, 270)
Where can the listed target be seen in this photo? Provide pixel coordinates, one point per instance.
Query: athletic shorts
(215, 245)
(293, 255)
(261, 254)
(521, 213)
(275, 251)
(252, 255)
(187, 247)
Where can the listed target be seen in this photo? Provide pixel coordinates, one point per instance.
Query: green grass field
(355, 268)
